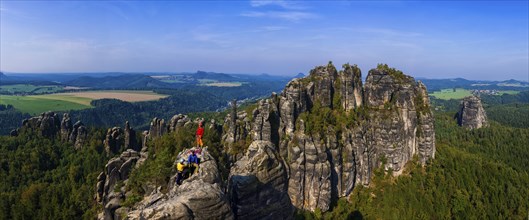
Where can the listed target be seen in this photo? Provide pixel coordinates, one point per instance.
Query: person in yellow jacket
(181, 167)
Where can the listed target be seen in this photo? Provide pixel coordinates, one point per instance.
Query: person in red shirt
(199, 134)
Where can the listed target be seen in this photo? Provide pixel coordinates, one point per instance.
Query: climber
(181, 171)
(193, 162)
(199, 134)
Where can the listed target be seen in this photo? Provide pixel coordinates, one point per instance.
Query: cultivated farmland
(450, 94)
(124, 95)
(37, 104)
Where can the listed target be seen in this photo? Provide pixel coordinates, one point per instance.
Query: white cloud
(281, 3)
(284, 15)
(388, 32)
(272, 28)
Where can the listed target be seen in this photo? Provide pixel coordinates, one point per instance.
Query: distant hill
(439, 84)
(128, 81)
(12, 80)
(213, 76)
(299, 75)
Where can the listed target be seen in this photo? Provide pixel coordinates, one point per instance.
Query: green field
(35, 105)
(27, 88)
(224, 84)
(510, 92)
(462, 93)
(450, 94)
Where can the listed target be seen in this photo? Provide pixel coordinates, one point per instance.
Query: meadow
(37, 104)
(447, 94)
(224, 84)
(450, 94)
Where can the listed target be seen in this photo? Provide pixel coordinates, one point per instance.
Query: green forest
(476, 174)
(46, 179)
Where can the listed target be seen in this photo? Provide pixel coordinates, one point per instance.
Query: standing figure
(199, 134)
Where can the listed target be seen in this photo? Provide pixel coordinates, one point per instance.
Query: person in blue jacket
(193, 162)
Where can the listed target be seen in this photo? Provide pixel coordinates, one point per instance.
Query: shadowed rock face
(471, 114)
(392, 122)
(258, 184)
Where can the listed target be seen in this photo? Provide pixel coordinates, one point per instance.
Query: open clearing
(225, 84)
(462, 93)
(510, 92)
(450, 94)
(37, 104)
(124, 95)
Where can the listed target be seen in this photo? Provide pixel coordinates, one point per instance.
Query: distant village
(485, 92)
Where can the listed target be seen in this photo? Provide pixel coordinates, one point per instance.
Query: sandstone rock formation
(304, 148)
(114, 140)
(118, 139)
(236, 130)
(199, 197)
(471, 114)
(78, 135)
(385, 123)
(116, 170)
(48, 125)
(66, 127)
(130, 138)
(258, 184)
(159, 127)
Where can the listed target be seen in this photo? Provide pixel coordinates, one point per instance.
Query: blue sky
(436, 39)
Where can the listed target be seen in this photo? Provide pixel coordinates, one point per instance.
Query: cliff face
(332, 132)
(258, 184)
(471, 114)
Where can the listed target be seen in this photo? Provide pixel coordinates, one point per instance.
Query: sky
(481, 40)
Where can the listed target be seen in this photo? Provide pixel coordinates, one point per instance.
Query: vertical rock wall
(384, 122)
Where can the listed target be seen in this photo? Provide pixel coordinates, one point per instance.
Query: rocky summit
(332, 132)
(302, 149)
(471, 114)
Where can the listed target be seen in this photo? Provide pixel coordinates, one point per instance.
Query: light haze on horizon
(480, 40)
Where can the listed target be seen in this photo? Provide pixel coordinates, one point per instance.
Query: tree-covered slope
(478, 174)
(43, 178)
